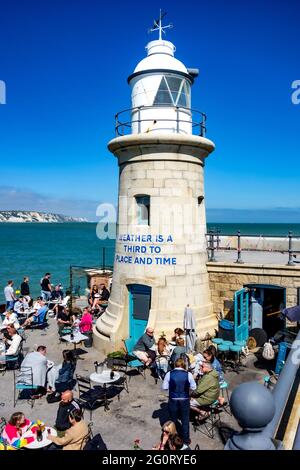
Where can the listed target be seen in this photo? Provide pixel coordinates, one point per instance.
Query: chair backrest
(96, 443)
(43, 316)
(84, 383)
(2, 424)
(129, 344)
(88, 437)
(119, 364)
(24, 376)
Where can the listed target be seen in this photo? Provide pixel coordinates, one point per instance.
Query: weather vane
(157, 26)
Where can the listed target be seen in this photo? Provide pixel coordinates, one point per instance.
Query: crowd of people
(192, 380)
(71, 429)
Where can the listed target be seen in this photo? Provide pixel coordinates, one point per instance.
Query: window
(143, 209)
(173, 91)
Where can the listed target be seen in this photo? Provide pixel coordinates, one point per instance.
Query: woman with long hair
(65, 379)
(93, 293)
(162, 357)
(15, 428)
(168, 431)
(210, 355)
(60, 377)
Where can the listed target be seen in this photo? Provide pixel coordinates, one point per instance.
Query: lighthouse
(160, 257)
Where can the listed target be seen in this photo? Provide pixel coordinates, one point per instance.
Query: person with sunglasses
(168, 431)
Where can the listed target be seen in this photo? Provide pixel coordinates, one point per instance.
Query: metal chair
(119, 365)
(132, 362)
(207, 425)
(41, 323)
(14, 362)
(2, 424)
(88, 437)
(223, 391)
(88, 395)
(23, 380)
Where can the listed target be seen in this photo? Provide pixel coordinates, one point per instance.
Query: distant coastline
(36, 217)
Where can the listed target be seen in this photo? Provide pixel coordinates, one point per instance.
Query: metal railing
(124, 126)
(213, 238)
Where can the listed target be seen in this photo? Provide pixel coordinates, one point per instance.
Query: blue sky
(65, 65)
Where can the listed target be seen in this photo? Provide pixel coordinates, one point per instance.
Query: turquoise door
(139, 308)
(241, 315)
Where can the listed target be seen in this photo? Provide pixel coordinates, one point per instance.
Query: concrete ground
(138, 415)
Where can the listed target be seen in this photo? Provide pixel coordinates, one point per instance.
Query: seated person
(167, 432)
(86, 322)
(60, 378)
(178, 351)
(104, 293)
(143, 349)
(100, 298)
(162, 355)
(38, 316)
(57, 293)
(36, 303)
(197, 372)
(73, 438)
(207, 392)
(66, 405)
(38, 362)
(178, 333)
(63, 319)
(210, 355)
(12, 343)
(93, 292)
(20, 305)
(15, 428)
(10, 319)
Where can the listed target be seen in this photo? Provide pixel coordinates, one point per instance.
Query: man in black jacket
(25, 291)
(66, 405)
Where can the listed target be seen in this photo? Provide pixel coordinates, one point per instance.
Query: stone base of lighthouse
(169, 255)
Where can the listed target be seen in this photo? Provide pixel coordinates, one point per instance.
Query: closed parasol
(189, 326)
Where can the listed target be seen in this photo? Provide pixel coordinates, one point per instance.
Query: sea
(32, 249)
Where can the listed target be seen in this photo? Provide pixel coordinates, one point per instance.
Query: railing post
(139, 120)
(211, 247)
(203, 126)
(116, 125)
(71, 289)
(218, 239)
(290, 262)
(239, 249)
(177, 119)
(103, 258)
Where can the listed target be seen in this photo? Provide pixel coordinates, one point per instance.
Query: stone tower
(160, 257)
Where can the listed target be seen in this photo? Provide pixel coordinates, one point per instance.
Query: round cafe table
(104, 379)
(27, 312)
(40, 444)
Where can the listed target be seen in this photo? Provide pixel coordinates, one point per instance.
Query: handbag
(96, 443)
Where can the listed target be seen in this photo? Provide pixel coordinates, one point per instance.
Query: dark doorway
(269, 300)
